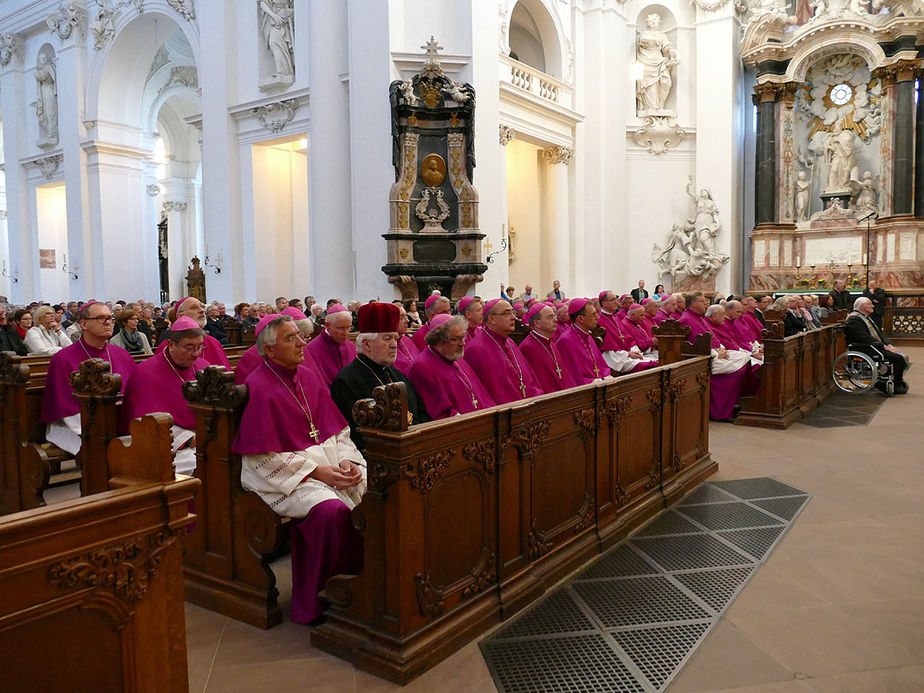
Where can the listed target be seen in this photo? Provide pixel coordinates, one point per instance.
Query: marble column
(903, 138)
(558, 217)
(919, 150)
(765, 98)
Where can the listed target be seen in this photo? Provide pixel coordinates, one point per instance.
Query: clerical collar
(539, 335)
(366, 361)
(605, 312)
(500, 339)
(581, 330)
(281, 370)
(87, 346)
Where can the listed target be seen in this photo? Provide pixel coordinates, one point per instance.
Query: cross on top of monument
(432, 66)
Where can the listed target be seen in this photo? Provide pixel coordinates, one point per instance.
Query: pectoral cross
(314, 433)
(558, 371)
(474, 402)
(522, 387)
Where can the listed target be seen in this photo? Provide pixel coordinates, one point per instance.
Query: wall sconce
(14, 277)
(503, 245)
(69, 271)
(215, 266)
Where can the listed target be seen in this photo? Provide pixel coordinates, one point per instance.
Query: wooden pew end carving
(145, 455)
(386, 409)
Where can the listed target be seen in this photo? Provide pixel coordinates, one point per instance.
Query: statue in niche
(839, 156)
(656, 55)
(277, 21)
(803, 185)
(690, 250)
(46, 100)
(867, 194)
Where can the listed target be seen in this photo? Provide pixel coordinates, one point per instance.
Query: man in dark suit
(840, 295)
(639, 294)
(793, 322)
(861, 330)
(876, 295)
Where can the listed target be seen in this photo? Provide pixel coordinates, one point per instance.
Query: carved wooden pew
(236, 535)
(469, 519)
(794, 378)
(99, 578)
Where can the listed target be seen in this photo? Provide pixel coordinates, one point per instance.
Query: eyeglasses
(102, 319)
(509, 311)
(191, 349)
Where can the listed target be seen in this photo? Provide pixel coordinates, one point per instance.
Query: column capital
(66, 20)
(769, 91)
(505, 134)
(10, 45)
(559, 155)
(899, 71)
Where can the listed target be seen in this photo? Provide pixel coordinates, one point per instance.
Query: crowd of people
(300, 447)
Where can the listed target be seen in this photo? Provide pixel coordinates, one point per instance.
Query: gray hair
(267, 336)
(440, 334)
(714, 310)
(733, 304)
(432, 308)
(305, 327)
(363, 337)
(859, 302)
(176, 336)
(331, 317)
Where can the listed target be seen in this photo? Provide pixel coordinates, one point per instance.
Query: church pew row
(26, 460)
(794, 378)
(95, 583)
(470, 519)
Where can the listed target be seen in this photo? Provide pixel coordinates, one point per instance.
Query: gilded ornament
(433, 170)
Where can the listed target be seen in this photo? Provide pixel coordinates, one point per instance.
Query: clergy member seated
(251, 358)
(861, 330)
(157, 385)
(728, 377)
(472, 308)
(297, 455)
(377, 346)
(495, 358)
(637, 339)
(60, 409)
(332, 349)
(540, 351)
(445, 382)
(407, 350)
(667, 309)
(617, 350)
(213, 352)
(577, 346)
(433, 306)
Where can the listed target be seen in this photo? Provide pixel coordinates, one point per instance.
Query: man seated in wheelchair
(860, 331)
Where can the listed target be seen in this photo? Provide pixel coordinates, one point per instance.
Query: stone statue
(803, 185)
(867, 195)
(46, 100)
(277, 21)
(690, 250)
(656, 55)
(839, 156)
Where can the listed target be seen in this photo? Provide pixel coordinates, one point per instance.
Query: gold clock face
(840, 94)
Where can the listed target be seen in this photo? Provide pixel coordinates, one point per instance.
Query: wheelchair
(863, 367)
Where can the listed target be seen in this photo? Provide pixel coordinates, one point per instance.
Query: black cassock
(358, 379)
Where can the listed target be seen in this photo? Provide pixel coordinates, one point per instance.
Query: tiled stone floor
(838, 608)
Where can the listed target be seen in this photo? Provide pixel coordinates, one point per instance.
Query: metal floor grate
(632, 618)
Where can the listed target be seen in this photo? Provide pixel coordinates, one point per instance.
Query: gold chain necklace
(306, 409)
(515, 364)
(539, 338)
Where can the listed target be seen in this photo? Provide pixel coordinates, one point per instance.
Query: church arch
(535, 31)
(834, 42)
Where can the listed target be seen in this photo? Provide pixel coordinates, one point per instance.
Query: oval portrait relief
(433, 170)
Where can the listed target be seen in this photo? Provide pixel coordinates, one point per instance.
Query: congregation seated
(377, 347)
(60, 409)
(445, 382)
(413, 317)
(495, 359)
(46, 336)
(22, 321)
(861, 330)
(581, 355)
(157, 386)
(297, 455)
(9, 337)
(213, 324)
(620, 351)
(794, 320)
(332, 349)
(129, 336)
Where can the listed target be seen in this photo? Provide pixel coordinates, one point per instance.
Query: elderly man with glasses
(157, 385)
(60, 409)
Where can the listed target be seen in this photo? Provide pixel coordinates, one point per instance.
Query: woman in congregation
(129, 337)
(413, 317)
(22, 321)
(46, 335)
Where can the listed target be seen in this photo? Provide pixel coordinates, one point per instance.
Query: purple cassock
(329, 356)
(614, 339)
(212, 352)
(251, 359)
(560, 329)
(325, 542)
(753, 326)
(635, 335)
(470, 333)
(447, 387)
(58, 400)
(419, 337)
(407, 352)
(497, 363)
(661, 316)
(157, 385)
(582, 357)
(648, 324)
(546, 361)
(724, 389)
